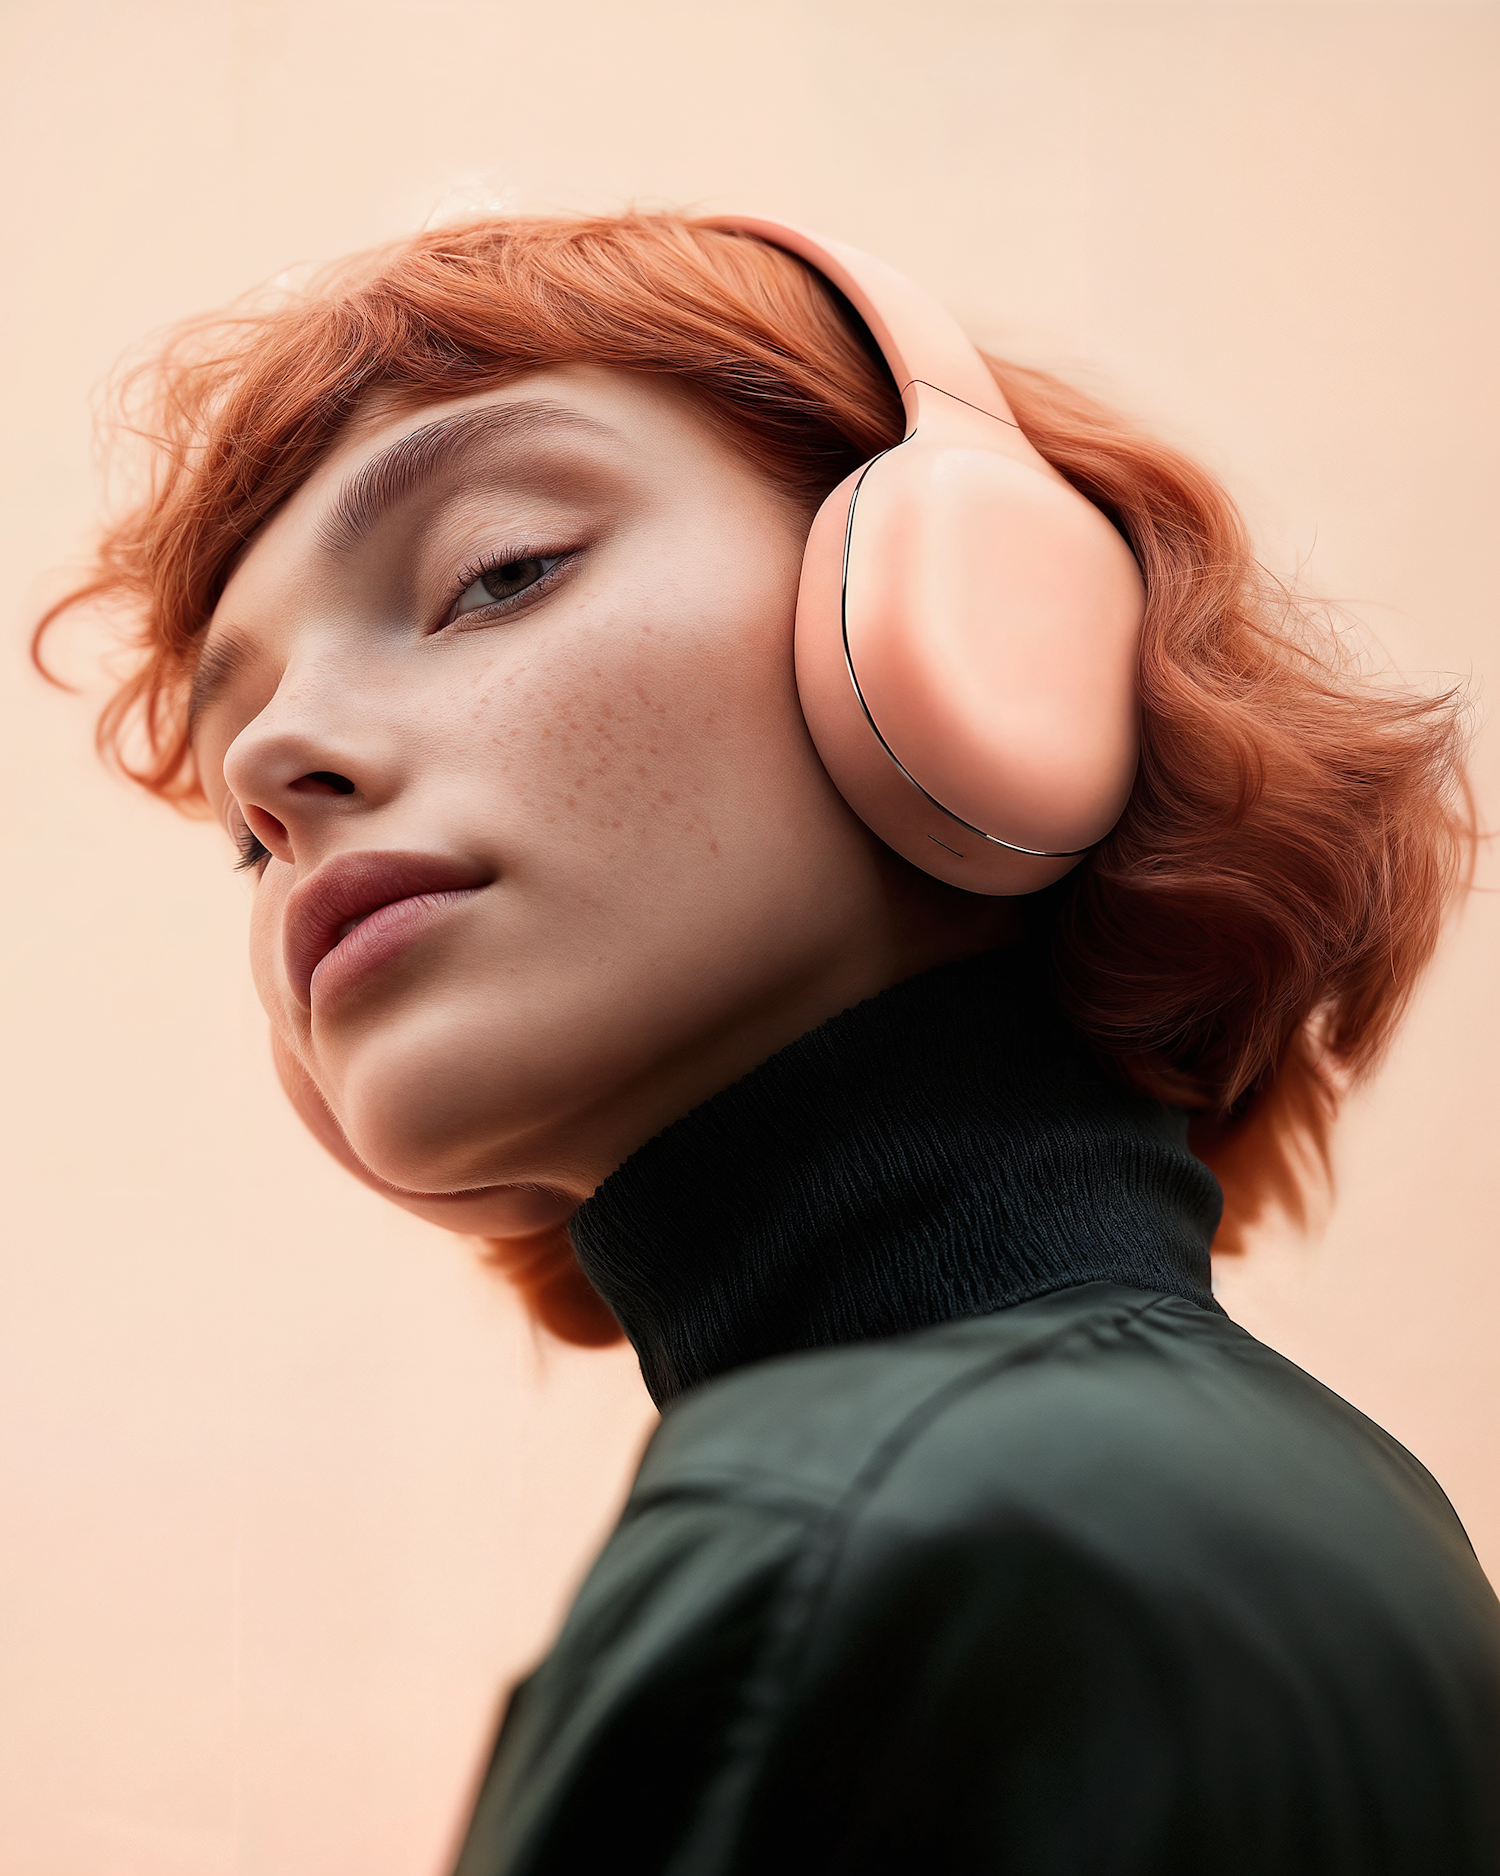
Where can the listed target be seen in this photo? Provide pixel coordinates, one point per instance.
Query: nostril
(267, 830)
(323, 782)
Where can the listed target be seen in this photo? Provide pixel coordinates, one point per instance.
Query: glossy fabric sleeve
(607, 1751)
(994, 1700)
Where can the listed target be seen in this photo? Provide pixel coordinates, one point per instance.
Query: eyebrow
(403, 466)
(377, 487)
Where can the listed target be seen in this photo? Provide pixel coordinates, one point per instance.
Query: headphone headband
(921, 341)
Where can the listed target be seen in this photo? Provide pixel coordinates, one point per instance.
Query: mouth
(358, 909)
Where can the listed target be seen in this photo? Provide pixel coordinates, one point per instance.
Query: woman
(975, 1537)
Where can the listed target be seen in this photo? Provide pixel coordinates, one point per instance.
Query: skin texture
(663, 886)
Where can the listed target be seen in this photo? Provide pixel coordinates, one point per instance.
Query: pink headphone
(968, 625)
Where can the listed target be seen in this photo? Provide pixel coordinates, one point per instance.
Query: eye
(507, 579)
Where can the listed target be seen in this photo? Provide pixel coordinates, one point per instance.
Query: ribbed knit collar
(945, 1149)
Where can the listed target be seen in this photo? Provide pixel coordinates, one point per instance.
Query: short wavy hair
(1247, 937)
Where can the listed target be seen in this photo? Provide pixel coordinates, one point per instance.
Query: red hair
(1242, 943)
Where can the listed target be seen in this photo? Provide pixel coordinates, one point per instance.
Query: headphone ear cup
(968, 632)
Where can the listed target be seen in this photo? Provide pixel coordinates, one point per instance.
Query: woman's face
(505, 692)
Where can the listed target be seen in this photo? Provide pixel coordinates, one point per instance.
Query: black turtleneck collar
(943, 1150)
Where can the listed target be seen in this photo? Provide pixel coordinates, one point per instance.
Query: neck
(946, 1149)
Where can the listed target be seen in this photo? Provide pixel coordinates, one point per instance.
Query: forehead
(391, 450)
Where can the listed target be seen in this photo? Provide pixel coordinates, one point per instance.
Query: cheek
(655, 729)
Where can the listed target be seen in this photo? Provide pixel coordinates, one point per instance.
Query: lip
(358, 909)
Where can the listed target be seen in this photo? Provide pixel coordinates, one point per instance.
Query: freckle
(713, 846)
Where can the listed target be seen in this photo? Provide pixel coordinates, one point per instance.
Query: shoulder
(1096, 1572)
(1049, 1403)
(1152, 1440)
(1108, 1544)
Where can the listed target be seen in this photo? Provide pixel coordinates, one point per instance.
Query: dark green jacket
(1092, 1584)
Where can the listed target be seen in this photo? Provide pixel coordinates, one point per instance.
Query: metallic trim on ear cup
(928, 385)
(1035, 853)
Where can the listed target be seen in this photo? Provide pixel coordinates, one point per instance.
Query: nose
(296, 776)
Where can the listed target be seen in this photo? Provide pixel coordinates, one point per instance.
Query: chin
(408, 1145)
(437, 1120)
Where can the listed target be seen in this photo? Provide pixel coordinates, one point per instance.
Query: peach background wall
(289, 1490)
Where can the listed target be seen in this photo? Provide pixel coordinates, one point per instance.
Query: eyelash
(492, 563)
(253, 852)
